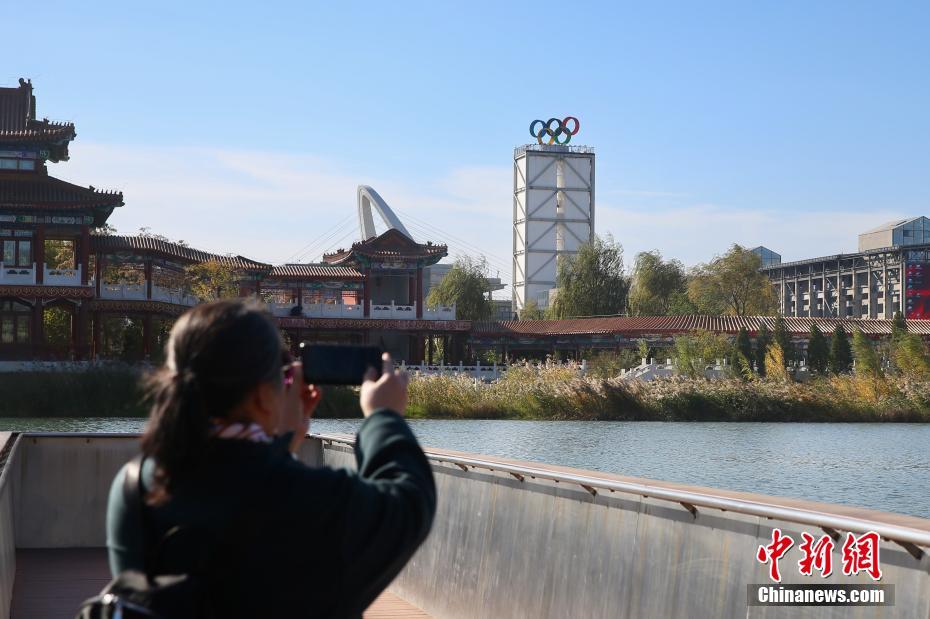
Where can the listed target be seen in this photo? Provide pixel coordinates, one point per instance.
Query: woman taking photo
(224, 496)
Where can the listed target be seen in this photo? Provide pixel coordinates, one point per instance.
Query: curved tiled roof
(37, 190)
(390, 245)
(304, 271)
(167, 249)
(18, 124)
(39, 131)
(657, 325)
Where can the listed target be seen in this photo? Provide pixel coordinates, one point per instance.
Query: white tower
(553, 213)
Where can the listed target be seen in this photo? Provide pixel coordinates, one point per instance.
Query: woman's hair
(216, 355)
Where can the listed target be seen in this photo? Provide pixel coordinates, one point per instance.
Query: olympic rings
(555, 129)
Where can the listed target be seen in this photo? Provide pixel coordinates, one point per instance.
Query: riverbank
(555, 393)
(559, 394)
(112, 391)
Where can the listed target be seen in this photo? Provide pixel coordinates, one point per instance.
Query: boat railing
(908, 538)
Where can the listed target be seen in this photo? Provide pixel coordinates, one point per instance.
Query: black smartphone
(333, 364)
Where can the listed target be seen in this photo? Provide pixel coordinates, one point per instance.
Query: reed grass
(555, 393)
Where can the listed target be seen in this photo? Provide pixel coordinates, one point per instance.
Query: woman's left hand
(300, 401)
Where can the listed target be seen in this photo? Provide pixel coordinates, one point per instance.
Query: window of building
(17, 164)
(15, 322)
(17, 252)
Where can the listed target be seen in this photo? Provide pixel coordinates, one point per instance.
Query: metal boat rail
(907, 537)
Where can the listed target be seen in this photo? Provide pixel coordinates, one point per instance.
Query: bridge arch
(368, 197)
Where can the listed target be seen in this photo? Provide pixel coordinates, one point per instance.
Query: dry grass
(558, 393)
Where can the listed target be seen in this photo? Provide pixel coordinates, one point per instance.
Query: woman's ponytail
(216, 354)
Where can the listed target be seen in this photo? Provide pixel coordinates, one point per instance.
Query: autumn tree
(867, 359)
(466, 286)
(783, 339)
(532, 311)
(591, 282)
(656, 284)
(211, 280)
(732, 284)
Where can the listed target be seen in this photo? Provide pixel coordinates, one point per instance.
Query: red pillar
(146, 336)
(98, 272)
(420, 292)
(38, 336)
(95, 352)
(80, 322)
(366, 296)
(85, 254)
(148, 279)
(38, 253)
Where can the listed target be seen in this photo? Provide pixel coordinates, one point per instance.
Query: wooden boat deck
(51, 583)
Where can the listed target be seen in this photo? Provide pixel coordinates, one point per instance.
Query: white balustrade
(14, 275)
(317, 310)
(173, 295)
(125, 292)
(443, 312)
(350, 310)
(61, 277)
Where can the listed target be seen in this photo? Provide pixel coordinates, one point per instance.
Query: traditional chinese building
(69, 290)
(45, 226)
(370, 293)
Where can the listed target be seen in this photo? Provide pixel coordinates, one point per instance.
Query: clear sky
(245, 128)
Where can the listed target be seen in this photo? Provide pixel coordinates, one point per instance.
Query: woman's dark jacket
(285, 539)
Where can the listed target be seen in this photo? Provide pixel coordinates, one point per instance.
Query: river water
(880, 466)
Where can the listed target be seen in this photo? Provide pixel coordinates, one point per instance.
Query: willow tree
(732, 284)
(591, 282)
(656, 284)
(465, 285)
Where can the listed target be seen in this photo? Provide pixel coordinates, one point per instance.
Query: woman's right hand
(388, 391)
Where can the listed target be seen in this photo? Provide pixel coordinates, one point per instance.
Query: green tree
(591, 282)
(642, 346)
(743, 343)
(655, 284)
(840, 352)
(783, 339)
(910, 357)
(532, 311)
(867, 361)
(898, 327)
(465, 285)
(763, 339)
(211, 280)
(818, 352)
(681, 305)
(740, 355)
(692, 353)
(732, 284)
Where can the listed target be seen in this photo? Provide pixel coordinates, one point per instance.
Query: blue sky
(245, 128)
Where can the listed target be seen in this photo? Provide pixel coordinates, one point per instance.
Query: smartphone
(332, 364)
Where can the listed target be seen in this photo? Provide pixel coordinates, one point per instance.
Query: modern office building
(885, 276)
